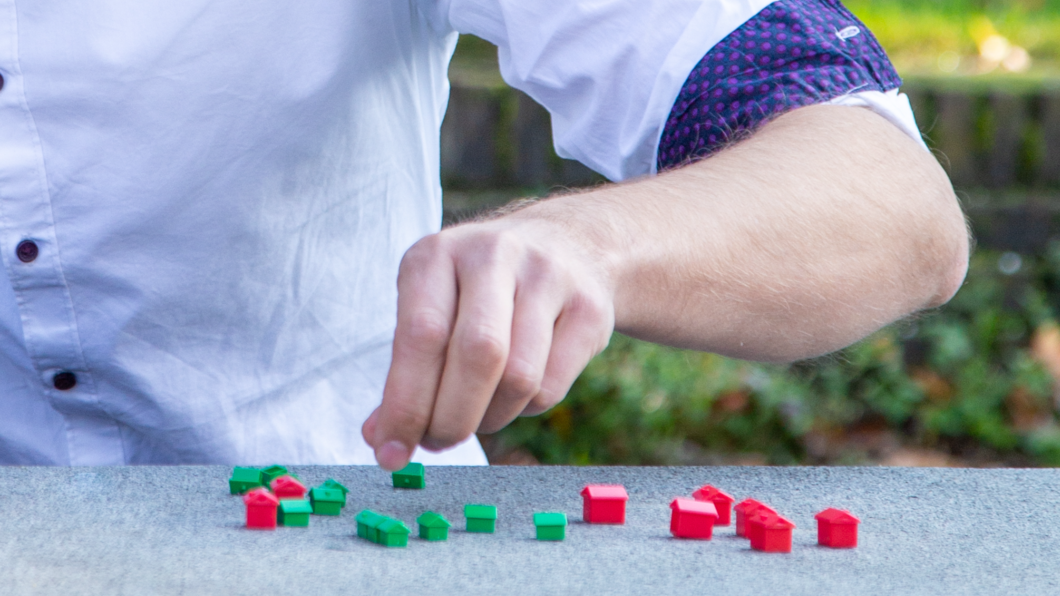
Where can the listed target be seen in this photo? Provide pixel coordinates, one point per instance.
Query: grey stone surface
(175, 530)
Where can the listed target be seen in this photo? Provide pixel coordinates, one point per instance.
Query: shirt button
(64, 381)
(27, 251)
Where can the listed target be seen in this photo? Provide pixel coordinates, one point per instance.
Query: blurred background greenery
(975, 383)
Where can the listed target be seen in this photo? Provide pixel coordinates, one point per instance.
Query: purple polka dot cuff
(793, 53)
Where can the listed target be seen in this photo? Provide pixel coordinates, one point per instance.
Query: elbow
(950, 251)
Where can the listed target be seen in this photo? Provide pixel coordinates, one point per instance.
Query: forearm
(826, 225)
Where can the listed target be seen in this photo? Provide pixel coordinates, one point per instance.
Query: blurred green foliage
(964, 375)
(917, 34)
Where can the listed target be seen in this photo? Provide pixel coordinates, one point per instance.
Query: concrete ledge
(176, 530)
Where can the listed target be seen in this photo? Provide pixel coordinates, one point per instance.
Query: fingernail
(393, 455)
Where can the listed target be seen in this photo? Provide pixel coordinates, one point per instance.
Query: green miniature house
(433, 526)
(293, 513)
(367, 525)
(550, 526)
(326, 501)
(411, 476)
(272, 473)
(334, 484)
(481, 518)
(393, 532)
(244, 479)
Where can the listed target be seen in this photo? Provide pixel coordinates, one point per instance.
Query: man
(205, 205)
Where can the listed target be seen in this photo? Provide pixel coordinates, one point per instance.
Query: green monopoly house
(411, 476)
(367, 524)
(433, 526)
(243, 480)
(550, 526)
(294, 513)
(327, 501)
(393, 532)
(481, 518)
(334, 484)
(272, 473)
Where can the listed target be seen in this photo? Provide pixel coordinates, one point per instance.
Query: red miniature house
(755, 523)
(604, 504)
(770, 533)
(692, 519)
(261, 509)
(744, 511)
(722, 502)
(288, 487)
(837, 528)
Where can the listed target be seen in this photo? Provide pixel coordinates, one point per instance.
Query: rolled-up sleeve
(608, 71)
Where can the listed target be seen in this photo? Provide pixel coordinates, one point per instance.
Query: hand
(496, 319)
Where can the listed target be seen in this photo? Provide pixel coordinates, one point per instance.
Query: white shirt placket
(31, 255)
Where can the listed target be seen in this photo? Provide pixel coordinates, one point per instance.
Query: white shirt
(221, 192)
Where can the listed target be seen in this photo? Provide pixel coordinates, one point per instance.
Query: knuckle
(405, 420)
(427, 330)
(590, 309)
(520, 381)
(422, 255)
(494, 247)
(543, 270)
(542, 402)
(485, 345)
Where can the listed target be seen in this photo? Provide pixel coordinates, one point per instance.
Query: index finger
(427, 298)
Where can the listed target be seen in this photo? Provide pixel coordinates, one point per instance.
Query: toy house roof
(709, 493)
(369, 517)
(392, 526)
(694, 507)
(327, 495)
(480, 511)
(746, 504)
(775, 522)
(550, 519)
(836, 516)
(295, 506)
(431, 519)
(275, 470)
(246, 474)
(606, 492)
(413, 469)
(260, 496)
(334, 484)
(749, 506)
(287, 482)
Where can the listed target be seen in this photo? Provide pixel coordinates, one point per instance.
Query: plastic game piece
(392, 533)
(433, 526)
(692, 519)
(754, 522)
(367, 525)
(770, 533)
(294, 513)
(272, 473)
(837, 528)
(743, 510)
(481, 518)
(261, 509)
(411, 476)
(722, 502)
(604, 504)
(550, 526)
(244, 479)
(288, 487)
(326, 501)
(334, 484)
